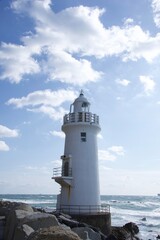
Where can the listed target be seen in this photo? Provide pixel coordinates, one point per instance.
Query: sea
(142, 210)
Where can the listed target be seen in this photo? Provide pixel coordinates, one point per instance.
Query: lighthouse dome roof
(81, 98)
(81, 103)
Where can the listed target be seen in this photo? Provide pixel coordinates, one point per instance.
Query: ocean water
(142, 210)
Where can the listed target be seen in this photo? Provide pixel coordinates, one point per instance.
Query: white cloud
(3, 146)
(100, 136)
(17, 60)
(148, 47)
(55, 114)
(123, 82)
(44, 97)
(42, 170)
(23, 5)
(148, 84)
(119, 150)
(57, 134)
(45, 101)
(119, 98)
(106, 155)
(156, 11)
(63, 40)
(129, 182)
(63, 67)
(111, 153)
(26, 122)
(7, 132)
(128, 21)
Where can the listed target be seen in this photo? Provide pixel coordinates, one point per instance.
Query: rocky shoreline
(19, 221)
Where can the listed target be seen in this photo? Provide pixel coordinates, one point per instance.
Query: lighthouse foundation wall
(100, 220)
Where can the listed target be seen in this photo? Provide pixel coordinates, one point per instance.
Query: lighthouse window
(83, 136)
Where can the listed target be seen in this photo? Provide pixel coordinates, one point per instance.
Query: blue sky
(49, 51)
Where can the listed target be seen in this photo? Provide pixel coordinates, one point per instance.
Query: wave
(31, 201)
(144, 211)
(135, 212)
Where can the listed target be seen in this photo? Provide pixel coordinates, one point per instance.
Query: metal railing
(86, 117)
(62, 172)
(84, 209)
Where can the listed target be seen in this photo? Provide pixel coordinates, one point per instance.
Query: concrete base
(100, 220)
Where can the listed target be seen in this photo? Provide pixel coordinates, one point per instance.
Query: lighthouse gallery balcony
(63, 176)
(84, 117)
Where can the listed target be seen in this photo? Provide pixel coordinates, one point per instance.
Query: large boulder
(2, 225)
(68, 221)
(22, 232)
(54, 233)
(35, 220)
(24, 206)
(132, 228)
(13, 219)
(83, 231)
(119, 233)
(6, 207)
(40, 220)
(127, 232)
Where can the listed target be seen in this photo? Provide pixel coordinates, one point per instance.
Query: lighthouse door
(66, 168)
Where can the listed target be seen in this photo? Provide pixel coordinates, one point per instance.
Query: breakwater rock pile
(19, 221)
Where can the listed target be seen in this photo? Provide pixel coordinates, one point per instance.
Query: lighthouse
(79, 174)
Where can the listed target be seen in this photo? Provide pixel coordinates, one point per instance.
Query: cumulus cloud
(61, 42)
(75, 72)
(7, 132)
(15, 61)
(57, 134)
(45, 101)
(148, 84)
(41, 170)
(100, 136)
(119, 150)
(44, 97)
(55, 114)
(111, 153)
(106, 155)
(3, 146)
(123, 82)
(156, 11)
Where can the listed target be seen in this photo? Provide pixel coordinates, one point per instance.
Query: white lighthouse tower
(79, 175)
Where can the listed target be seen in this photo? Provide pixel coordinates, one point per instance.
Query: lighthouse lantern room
(79, 175)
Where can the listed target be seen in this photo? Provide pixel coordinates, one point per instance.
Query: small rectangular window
(83, 136)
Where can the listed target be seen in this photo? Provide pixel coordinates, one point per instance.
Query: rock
(119, 233)
(22, 232)
(13, 219)
(54, 233)
(24, 206)
(158, 237)
(132, 228)
(127, 232)
(111, 237)
(69, 222)
(144, 219)
(2, 225)
(35, 220)
(81, 231)
(6, 207)
(40, 220)
(86, 236)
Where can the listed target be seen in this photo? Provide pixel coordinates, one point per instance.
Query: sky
(49, 51)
